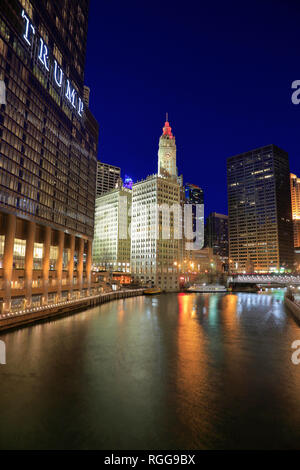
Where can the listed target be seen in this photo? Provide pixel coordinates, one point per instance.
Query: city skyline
(224, 78)
(129, 319)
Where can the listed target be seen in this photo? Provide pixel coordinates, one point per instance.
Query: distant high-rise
(295, 196)
(194, 195)
(216, 234)
(48, 148)
(259, 206)
(108, 178)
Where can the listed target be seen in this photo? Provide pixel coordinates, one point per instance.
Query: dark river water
(187, 371)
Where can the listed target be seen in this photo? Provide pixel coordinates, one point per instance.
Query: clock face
(167, 156)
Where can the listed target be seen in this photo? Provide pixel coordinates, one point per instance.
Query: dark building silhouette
(259, 209)
(48, 151)
(108, 178)
(193, 195)
(216, 234)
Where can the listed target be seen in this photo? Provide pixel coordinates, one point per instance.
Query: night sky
(222, 70)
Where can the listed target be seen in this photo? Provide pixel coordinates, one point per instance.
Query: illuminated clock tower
(167, 153)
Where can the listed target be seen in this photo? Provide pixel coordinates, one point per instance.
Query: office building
(48, 151)
(155, 226)
(194, 196)
(216, 234)
(152, 254)
(111, 247)
(108, 178)
(205, 261)
(259, 209)
(295, 197)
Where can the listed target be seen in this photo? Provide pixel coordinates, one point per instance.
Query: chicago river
(175, 371)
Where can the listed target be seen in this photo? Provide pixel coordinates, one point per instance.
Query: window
(66, 258)
(19, 254)
(53, 257)
(38, 252)
(27, 7)
(2, 242)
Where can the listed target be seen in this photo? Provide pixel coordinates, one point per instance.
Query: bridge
(269, 279)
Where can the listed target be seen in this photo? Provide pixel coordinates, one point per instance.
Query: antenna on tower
(167, 117)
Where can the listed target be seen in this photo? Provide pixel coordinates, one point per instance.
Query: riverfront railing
(40, 312)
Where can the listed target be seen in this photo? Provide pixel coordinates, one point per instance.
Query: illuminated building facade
(259, 209)
(48, 151)
(153, 253)
(128, 182)
(295, 196)
(167, 153)
(108, 178)
(111, 247)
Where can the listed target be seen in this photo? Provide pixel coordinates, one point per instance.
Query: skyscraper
(111, 247)
(295, 196)
(194, 195)
(108, 177)
(48, 152)
(259, 205)
(155, 208)
(216, 234)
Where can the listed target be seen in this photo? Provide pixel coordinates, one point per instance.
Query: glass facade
(259, 205)
(108, 177)
(19, 254)
(48, 151)
(38, 252)
(53, 257)
(2, 242)
(216, 234)
(295, 196)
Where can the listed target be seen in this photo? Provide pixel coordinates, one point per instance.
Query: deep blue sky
(222, 70)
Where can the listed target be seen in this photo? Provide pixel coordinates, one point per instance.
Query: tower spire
(167, 130)
(167, 152)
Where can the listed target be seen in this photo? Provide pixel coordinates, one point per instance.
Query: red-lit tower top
(167, 129)
(167, 152)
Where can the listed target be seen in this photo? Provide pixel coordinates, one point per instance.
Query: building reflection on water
(174, 371)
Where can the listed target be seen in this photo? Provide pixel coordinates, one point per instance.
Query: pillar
(30, 238)
(71, 264)
(59, 262)
(89, 264)
(46, 264)
(8, 257)
(80, 262)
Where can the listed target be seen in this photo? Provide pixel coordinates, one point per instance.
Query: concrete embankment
(18, 319)
(293, 307)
